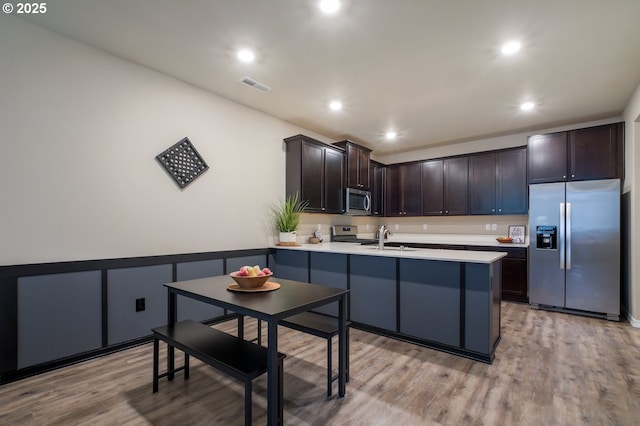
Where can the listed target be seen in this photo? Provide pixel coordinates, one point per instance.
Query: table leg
(172, 317)
(274, 376)
(342, 347)
(240, 326)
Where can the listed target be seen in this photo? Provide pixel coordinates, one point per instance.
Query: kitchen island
(444, 299)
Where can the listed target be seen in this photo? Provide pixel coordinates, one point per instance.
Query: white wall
(631, 116)
(78, 177)
(479, 145)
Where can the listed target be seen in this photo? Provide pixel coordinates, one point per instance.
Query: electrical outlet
(140, 304)
(424, 226)
(397, 226)
(487, 227)
(494, 226)
(367, 226)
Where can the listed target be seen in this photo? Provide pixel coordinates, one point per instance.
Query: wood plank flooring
(550, 369)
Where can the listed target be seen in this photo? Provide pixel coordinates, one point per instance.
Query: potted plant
(286, 217)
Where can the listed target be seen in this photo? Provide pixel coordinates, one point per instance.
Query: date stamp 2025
(25, 8)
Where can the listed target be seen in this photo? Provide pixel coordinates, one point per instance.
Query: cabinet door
(547, 156)
(313, 176)
(377, 189)
(334, 181)
(594, 153)
(456, 186)
(482, 183)
(412, 185)
(364, 180)
(352, 166)
(433, 187)
(393, 191)
(511, 185)
(514, 280)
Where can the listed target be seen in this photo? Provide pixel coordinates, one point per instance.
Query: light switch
(397, 226)
(424, 227)
(494, 226)
(487, 227)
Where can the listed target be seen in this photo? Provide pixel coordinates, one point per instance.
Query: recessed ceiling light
(335, 105)
(510, 48)
(329, 6)
(390, 135)
(246, 55)
(527, 106)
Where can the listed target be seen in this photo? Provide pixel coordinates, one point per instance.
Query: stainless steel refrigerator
(574, 250)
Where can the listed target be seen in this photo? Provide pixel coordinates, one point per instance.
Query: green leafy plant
(286, 216)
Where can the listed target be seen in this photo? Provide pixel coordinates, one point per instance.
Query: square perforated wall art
(183, 162)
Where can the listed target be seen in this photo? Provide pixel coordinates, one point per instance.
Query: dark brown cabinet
(316, 172)
(445, 187)
(358, 158)
(433, 187)
(514, 272)
(583, 154)
(377, 173)
(456, 186)
(403, 190)
(498, 182)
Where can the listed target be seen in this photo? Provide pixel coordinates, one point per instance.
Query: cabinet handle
(440, 211)
(499, 210)
(447, 212)
(493, 210)
(573, 176)
(564, 177)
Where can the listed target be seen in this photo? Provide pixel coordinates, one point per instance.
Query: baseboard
(634, 322)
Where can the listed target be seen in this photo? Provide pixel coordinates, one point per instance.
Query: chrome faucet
(383, 232)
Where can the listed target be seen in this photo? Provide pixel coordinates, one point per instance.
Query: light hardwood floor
(550, 369)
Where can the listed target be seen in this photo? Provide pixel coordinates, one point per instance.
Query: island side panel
(328, 269)
(292, 265)
(482, 306)
(430, 294)
(372, 282)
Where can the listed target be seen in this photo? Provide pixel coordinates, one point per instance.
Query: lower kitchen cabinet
(328, 269)
(373, 291)
(430, 300)
(515, 279)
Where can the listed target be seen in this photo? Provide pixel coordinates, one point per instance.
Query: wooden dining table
(293, 297)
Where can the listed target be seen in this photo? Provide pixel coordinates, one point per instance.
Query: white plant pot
(288, 237)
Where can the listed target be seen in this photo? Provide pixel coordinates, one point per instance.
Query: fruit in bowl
(251, 276)
(504, 239)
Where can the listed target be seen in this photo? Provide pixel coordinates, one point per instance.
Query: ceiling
(429, 69)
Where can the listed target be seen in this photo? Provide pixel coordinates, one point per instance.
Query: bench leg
(346, 331)
(329, 367)
(155, 365)
(247, 402)
(186, 366)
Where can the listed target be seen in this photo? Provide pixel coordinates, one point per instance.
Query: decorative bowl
(250, 282)
(504, 239)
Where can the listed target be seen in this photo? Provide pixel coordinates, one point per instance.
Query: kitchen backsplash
(472, 225)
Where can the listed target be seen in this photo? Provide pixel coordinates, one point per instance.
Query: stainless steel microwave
(357, 202)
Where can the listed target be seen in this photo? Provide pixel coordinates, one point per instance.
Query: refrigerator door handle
(568, 237)
(561, 236)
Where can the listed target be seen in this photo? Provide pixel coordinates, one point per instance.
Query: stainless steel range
(348, 234)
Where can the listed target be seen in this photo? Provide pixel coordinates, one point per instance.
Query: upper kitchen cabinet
(445, 186)
(377, 173)
(498, 182)
(582, 154)
(315, 171)
(402, 190)
(433, 187)
(358, 158)
(456, 186)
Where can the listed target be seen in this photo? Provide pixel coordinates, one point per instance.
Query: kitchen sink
(392, 248)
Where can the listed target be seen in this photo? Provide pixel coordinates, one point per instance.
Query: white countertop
(461, 239)
(469, 256)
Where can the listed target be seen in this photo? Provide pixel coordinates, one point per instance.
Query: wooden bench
(234, 356)
(321, 326)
